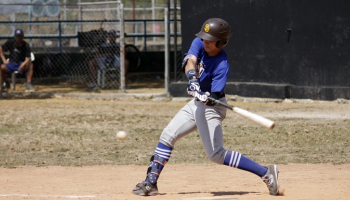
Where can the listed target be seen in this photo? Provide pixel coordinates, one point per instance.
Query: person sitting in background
(107, 53)
(19, 60)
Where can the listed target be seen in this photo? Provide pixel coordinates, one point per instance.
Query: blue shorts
(12, 66)
(114, 61)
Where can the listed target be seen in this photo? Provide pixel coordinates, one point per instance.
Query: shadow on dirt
(221, 193)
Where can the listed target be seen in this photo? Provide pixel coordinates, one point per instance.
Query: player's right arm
(3, 56)
(4, 47)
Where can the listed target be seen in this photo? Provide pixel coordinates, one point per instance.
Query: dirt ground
(178, 181)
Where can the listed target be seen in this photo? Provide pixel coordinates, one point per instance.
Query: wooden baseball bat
(251, 116)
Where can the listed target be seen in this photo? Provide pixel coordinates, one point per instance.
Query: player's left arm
(25, 63)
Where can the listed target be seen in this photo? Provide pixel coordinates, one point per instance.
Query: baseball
(121, 135)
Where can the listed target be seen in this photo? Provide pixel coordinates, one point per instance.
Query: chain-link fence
(82, 42)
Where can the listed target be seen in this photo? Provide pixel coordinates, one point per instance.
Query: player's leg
(127, 63)
(126, 69)
(268, 174)
(30, 71)
(4, 72)
(93, 67)
(116, 63)
(208, 120)
(157, 162)
(7, 70)
(182, 124)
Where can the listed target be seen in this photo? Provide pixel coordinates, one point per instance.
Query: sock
(163, 151)
(237, 160)
(29, 83)
(160, 157)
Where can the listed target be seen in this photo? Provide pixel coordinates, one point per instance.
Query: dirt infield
(178, 181)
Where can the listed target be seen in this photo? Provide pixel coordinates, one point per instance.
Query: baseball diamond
(132, 99)
(82, 156)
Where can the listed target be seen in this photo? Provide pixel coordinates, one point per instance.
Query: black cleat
(145, 189)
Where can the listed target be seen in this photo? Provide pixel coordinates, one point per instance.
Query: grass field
(72, 132)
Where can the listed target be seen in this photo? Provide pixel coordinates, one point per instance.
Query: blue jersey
(212, 71)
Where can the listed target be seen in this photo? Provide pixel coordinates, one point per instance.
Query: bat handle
(220, 103)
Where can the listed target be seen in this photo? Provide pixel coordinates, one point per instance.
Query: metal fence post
(59, 37)
(175, 40)
(166, 51)
(122, 49)
(144, 36)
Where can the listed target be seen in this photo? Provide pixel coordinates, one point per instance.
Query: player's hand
(201, 96)
(21, 68)
(193, 86)
(210, 102)
(6, 62)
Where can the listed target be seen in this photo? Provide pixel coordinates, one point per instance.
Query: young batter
(207, 68)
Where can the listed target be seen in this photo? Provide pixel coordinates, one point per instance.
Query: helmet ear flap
(218, 44)
(221, 44)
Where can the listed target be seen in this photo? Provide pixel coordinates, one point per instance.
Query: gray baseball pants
(207, 119)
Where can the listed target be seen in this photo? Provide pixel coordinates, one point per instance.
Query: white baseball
(121, 135)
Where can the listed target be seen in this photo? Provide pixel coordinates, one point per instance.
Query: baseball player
(207, 68)
(19, 59)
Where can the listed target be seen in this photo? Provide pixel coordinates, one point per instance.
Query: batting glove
(193, 86)
(201, 96)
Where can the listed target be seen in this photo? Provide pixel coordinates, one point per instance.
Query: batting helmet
(215, 29)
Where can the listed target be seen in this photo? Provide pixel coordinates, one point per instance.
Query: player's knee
(218, 156)
(27, 67)
(92, 62)
(215, 159)
(167, 138)
(4, 68)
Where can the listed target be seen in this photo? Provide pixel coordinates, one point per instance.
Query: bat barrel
(255, 118)
(251, 116)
